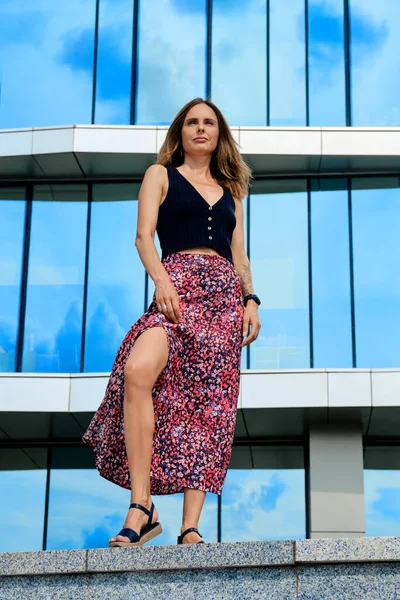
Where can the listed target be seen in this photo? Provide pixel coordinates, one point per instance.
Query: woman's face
(200, 130)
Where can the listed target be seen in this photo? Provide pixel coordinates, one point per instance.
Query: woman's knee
(146, 361)
(139, 373)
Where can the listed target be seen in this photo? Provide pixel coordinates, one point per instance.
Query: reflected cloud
(7, 337)
(22, 27)
(388, 504)
(199, 6)
(382, 502)
(255, 510)
(115, 66)
(78, 50)
(68, 340)
(103, 337)
(59, 94)
(163, 65)
(271, 493)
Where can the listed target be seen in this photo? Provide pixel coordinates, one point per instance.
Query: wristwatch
(252, 297)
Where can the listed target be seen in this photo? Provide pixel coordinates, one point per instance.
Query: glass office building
(322, 230)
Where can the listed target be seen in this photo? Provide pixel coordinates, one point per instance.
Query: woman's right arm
(150, 195)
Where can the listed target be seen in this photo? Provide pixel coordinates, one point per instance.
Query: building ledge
(272, 404)
(367, 568)
(80, 152)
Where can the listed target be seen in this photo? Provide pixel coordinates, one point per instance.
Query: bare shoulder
(156, 173)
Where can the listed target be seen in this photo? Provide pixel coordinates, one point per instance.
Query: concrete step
(325, 569)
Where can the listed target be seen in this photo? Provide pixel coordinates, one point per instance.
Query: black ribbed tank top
(186, 219)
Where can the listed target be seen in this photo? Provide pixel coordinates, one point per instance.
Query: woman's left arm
(242, 266)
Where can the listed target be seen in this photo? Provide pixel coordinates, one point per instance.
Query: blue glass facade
(97, 61)
(324, 251)
(86, 284)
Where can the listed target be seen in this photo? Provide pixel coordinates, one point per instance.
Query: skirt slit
(195, 395)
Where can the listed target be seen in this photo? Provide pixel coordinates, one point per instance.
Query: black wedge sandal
(180, 537)
(148, 532)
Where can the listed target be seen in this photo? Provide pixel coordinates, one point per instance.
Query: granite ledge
(48, 562)
(210, 556)
(348, 550)
(194, 556)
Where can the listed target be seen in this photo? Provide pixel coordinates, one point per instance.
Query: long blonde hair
(227, 165)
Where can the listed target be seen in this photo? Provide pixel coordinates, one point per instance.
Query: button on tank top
(186, 219)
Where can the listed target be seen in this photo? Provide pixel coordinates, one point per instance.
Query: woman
(167, 420)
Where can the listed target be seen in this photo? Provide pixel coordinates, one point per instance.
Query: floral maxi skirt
(195, 396)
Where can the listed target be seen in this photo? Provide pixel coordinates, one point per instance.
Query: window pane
(46, 50)
(327, 96)
(287, 63)
(22, 501)
(239, 56)
(172, 58)
(382, 490)
(376, 230)
(268, 501)
(85, 510)
(114, 62)
(279, 262)
(375, 41)
(12, 222)
(331, 279)
(53, 325)
(116, 273)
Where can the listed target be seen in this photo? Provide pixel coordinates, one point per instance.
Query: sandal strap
(144, 509)
(180, 537)
(130, 533)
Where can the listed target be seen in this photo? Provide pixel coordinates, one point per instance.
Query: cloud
(271, 493)
(103, 337)
(23, 27)
(263, 504)
(58, 94)
(200, 6)
(382, 499)
(388, 504)
(78, 50)
(67, 343)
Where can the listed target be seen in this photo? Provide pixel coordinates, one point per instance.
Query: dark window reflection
(48, 49)
(382, 490)
(53, 326)
(267, 501)
(114, 62)
(22, 499)
(376, 227)
(168, 76)
(331, 276)
(279, 261)
(116, 273)
(12, 221)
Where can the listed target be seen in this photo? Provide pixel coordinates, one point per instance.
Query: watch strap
(252, 297)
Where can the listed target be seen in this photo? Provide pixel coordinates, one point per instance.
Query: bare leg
(146, 361)
(193, 501)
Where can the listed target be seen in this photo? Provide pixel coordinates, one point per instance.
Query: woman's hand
(166, 294)
(250, 318)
